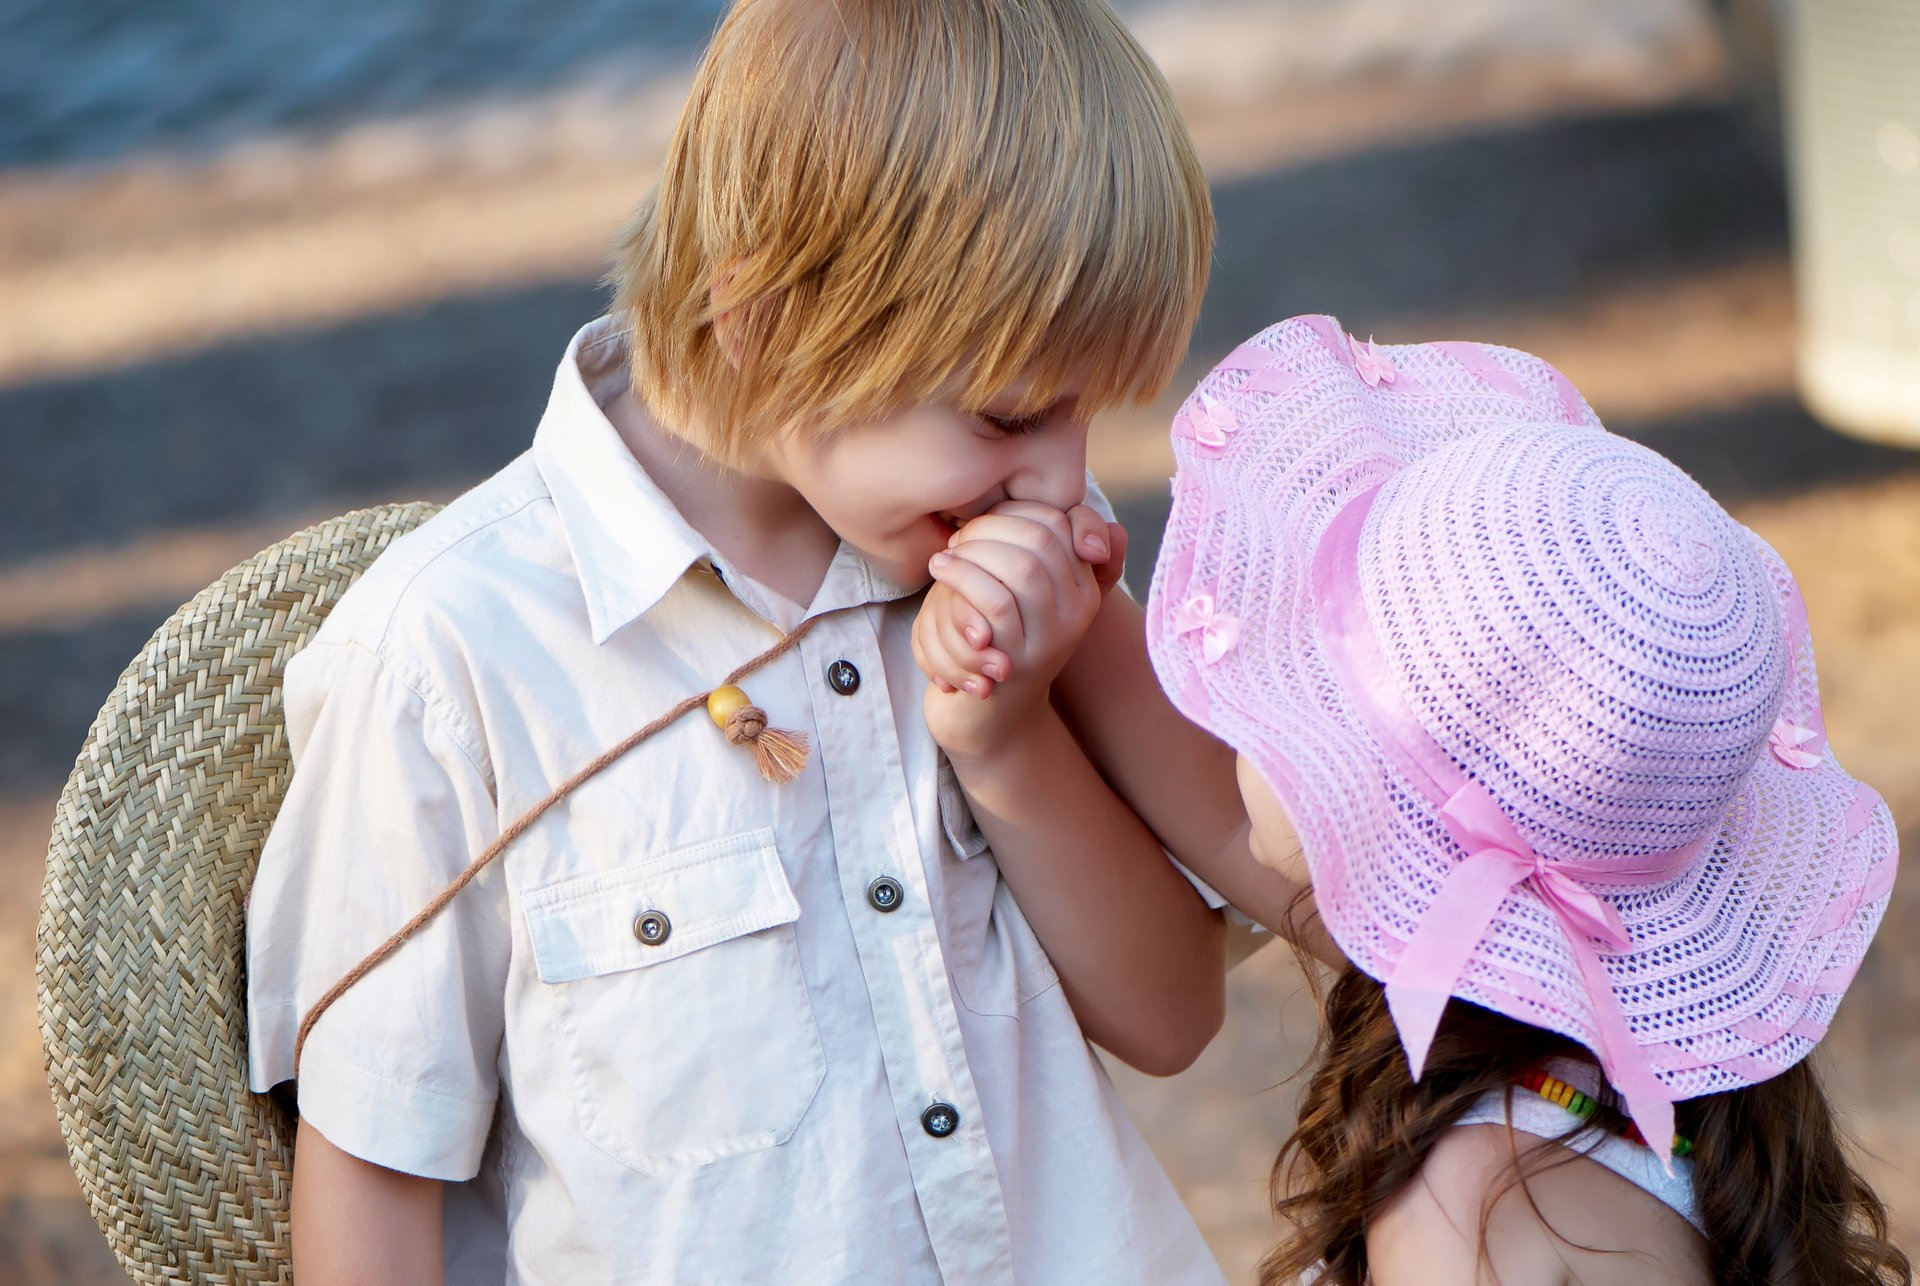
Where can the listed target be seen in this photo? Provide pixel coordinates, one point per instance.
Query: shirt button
(843, 678)
(652, 928)
(940, 1120)
(884, 894)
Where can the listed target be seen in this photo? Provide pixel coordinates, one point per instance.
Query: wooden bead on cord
(780, 754)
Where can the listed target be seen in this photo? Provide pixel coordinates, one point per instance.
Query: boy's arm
(1139, 953)
(361, 1224)
(386, 805)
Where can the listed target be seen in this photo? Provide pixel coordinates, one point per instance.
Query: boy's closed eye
(1012, 424)
(1016, 426)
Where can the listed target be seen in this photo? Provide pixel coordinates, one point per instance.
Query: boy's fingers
(967, 621)
(1031, 526)
(993, 600)
(949, 675)
(1090, 542)
(1037, 583)
(938, 662)
(922, 658)
(990, 663)
(1044, 544)
(1106, 575)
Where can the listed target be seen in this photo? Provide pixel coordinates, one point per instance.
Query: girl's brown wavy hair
(1781, 1203)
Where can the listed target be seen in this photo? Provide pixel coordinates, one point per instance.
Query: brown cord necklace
(780, 756)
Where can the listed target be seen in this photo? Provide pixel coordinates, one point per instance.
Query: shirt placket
(882, 877)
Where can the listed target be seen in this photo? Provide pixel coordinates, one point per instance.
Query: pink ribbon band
(1479, 362)
(1248, 357)
(1498, 861)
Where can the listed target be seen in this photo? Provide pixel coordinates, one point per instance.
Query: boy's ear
(737, 330)
(731, 336)
(741, 331)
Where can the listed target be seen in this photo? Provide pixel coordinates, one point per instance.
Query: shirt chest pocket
(676, 984)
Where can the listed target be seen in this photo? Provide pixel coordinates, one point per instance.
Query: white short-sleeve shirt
(789, 1076)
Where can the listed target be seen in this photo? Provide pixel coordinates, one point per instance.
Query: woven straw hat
(141, 961)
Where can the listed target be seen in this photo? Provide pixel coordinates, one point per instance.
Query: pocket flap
(707, 893)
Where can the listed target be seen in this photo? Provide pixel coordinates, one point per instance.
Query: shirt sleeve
(385, 807)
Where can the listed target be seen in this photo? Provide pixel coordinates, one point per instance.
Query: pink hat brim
(1720, 988)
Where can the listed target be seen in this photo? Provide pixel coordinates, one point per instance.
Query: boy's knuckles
(995, 598)
(1020, 531)
(1026, 578)
(1055, 524)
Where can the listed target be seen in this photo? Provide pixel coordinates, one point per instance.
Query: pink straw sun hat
(1543, 715)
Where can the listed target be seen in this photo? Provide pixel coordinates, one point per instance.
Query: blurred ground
(254, 271)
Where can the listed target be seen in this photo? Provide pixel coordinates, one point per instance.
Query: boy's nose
(1053, 468)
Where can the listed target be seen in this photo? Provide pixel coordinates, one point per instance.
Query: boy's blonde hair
(898, 200)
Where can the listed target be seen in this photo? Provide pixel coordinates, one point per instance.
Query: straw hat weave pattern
(140, 973)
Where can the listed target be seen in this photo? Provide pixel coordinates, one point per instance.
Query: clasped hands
(1015, 592)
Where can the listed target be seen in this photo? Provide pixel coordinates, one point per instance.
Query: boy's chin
(911, 574)
(905, 562)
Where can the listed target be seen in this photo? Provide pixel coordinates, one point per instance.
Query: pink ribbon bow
(1430, 968)
(1210, 424)
(1371, 363)
(1218, 631)
(1794, 745)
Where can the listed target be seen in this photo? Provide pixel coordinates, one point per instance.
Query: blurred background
(262, 264)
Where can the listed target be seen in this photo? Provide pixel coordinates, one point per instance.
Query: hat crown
(1582, 629)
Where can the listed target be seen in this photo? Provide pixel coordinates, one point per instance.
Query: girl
(1539, 723)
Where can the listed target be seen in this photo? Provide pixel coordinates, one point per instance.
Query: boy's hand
(1016, 593)
(960, 654)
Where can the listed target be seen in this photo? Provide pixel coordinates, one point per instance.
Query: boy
(693, 1026)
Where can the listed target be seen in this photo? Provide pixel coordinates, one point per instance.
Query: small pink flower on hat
(1371, 363)
(1210, 424)
(1218, 631)
(1794, 745)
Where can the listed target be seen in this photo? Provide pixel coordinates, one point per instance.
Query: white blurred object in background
(1852, 73)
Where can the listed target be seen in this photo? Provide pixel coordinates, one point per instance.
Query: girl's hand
(1013, 600)
(960, 652)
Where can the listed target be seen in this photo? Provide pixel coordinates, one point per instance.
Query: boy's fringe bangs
(898, 203)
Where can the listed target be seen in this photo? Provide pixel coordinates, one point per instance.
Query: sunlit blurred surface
(258, 266)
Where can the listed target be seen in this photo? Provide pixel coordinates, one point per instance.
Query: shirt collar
(629, 544)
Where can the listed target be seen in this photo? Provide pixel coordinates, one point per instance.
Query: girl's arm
(359, 1224)
(1141, 956)
(1178, 779)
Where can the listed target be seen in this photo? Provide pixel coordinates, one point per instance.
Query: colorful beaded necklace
(1584, 1106)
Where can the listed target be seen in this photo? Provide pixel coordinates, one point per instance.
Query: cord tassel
(780, 754)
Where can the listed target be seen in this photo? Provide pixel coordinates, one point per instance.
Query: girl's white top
(743, 1100)
(1546, 1119)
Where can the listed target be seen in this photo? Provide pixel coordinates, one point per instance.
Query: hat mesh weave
(140, 970)
(1572, 622)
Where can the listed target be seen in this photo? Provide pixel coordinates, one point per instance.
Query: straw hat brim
(141, 957)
